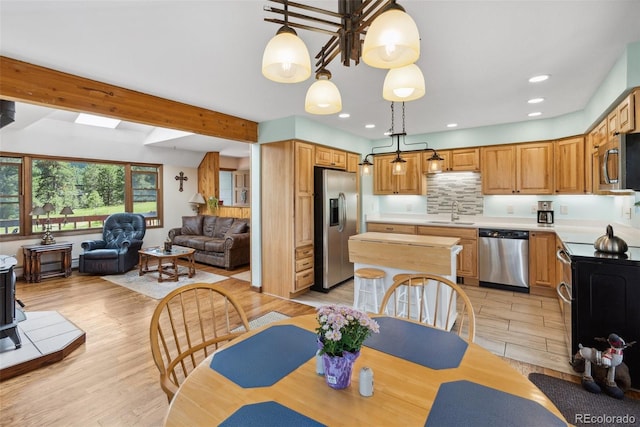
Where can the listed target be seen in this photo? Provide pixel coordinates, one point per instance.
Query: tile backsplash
(463, 187)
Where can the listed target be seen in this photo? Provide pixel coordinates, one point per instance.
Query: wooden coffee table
(168, 267)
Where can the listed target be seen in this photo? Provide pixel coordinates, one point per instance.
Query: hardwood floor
(111, 379)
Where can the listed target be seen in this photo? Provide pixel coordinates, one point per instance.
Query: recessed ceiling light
(452, 125)
(538, 79)
(370, 126)
(535, 114)
(344, 115)
(535, 100)
(91, 120)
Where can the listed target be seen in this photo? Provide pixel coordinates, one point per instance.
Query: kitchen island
(404, 254)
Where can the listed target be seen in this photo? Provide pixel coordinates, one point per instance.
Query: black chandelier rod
(301, 26)
(289, 14)
(309, 8)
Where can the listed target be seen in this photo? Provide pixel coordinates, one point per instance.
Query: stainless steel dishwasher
(503, 259)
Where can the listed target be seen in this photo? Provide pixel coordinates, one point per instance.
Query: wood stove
(8, 320)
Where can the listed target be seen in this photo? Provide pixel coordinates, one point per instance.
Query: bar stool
(368, 284)
(402, 294)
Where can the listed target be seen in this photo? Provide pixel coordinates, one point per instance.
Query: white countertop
(570, 231)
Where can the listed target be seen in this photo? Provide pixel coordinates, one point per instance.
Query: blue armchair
(117, 252)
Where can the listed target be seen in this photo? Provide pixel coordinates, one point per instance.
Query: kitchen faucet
(455, 207)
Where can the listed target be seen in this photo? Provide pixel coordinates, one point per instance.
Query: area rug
(265, 319)
(582, 408)
(148, 284)
(245, 275)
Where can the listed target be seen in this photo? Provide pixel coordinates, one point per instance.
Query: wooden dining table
(422, 377)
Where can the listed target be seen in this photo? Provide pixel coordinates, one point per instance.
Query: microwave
(619, 164)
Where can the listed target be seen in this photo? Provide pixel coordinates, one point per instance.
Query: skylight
(91, 120)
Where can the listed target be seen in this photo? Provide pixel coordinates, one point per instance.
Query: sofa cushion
(195, 242)
(209, 225)
(214, 245)
(238, 226)
(222, 226)
(192, 225)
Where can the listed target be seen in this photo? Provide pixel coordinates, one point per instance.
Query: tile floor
(519, 326)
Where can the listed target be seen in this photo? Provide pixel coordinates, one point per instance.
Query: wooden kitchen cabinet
(459, 159)
(597, 137)
(384, 182)
(518, 168)
(467, 259)
(287, 217)
(498, 169)
(542, 262)
(330, 157)
(352, 162)
(621, 119)
(382, 227)
(569, 165)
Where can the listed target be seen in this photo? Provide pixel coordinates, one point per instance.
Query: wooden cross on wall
(182, 179)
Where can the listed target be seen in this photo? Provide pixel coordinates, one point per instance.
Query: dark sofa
(218, 241)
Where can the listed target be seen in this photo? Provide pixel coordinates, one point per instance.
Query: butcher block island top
(429, 254)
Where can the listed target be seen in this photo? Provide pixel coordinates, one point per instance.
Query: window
(71, 194)
(226, 187)
(10, 184)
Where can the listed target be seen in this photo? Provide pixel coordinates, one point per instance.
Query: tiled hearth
(47, 337)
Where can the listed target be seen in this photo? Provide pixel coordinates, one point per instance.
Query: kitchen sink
(450, 222)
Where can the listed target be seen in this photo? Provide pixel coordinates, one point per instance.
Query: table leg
(66, 257)
(37, 276)
(26, 255)
(175, 268)
(141, 264)
(191, 265)
(160, 272)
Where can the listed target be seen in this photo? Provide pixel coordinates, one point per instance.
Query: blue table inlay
(430, 347)
(268, 414)
(462, 403)
(265, 358)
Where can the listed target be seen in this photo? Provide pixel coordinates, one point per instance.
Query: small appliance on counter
(545, 212)
(610, 244)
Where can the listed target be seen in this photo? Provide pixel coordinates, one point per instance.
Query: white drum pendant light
(392, 40)
(403, 84)
(323, 97)
(286, 58)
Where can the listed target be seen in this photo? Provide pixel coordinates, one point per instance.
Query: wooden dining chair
(189, 324)
(433, 300)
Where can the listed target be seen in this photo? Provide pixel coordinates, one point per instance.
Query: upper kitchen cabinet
(621, 119)
(518, 168)
(385, 182)
(597, 137)
(460, 159)
(352, 162)
(330, 157)
(498, 169)
(534, 168)
(569, 165)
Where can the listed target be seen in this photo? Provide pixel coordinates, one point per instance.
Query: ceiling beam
(25, 82)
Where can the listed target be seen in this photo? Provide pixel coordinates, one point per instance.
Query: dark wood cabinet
(33, 261)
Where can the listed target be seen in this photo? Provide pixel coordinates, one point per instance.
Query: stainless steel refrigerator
(335, 216)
